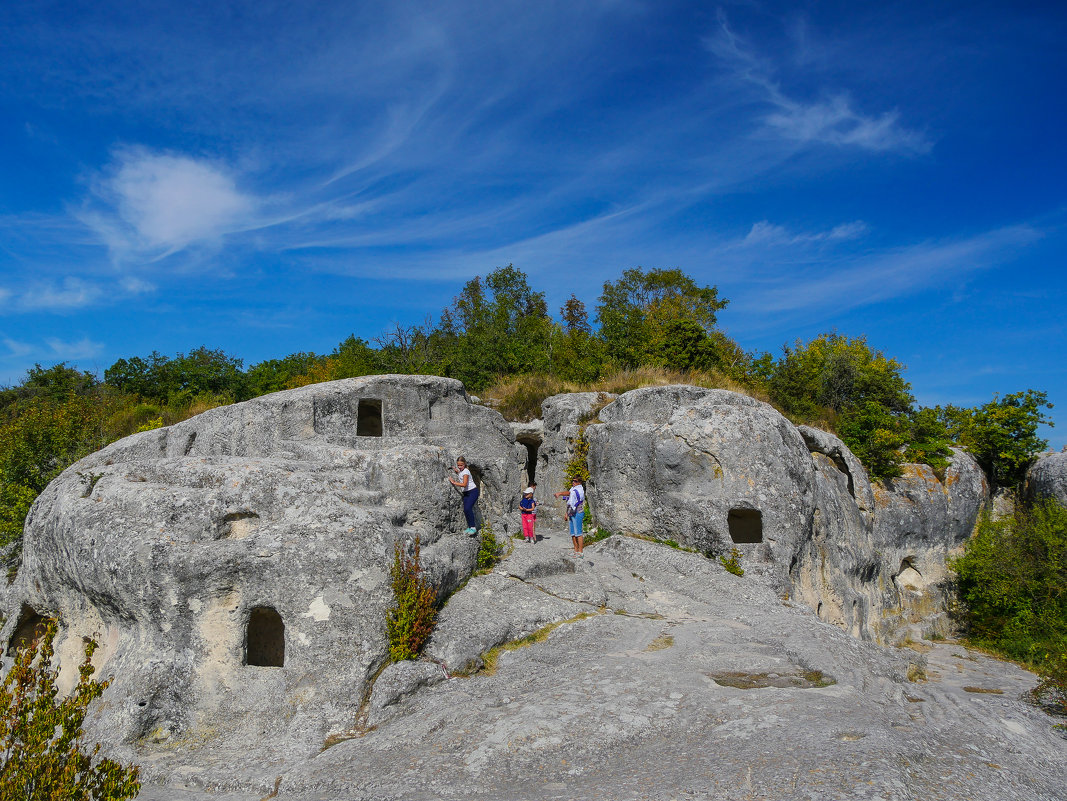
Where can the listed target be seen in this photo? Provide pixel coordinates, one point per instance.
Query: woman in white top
(465, 481)
(575, 513)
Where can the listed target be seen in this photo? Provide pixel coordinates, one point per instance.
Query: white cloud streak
(829, 120)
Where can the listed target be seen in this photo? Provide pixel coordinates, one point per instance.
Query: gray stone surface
(652, 705)
(162, 545)
(1047, 477)
(676, 462)
(563, 418)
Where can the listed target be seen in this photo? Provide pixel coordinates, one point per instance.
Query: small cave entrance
(265, 638)
(746, 525)
(909, 578)
(369, 417)
(28, 630)
(532, 444)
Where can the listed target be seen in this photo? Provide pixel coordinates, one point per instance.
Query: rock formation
(1047, 477)
(203, 555)
(234, 567)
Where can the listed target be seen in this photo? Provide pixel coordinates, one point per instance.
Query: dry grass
(491, 657)
(660, 643)
(519, 397)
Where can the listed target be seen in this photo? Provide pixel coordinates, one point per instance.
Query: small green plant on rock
(44, 756)
(410, 621)
(488, 548)
(732, 563)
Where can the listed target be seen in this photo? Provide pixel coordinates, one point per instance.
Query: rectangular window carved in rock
(369, 418)
(746, 525)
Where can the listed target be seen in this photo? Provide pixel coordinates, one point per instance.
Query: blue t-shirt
(526, 505)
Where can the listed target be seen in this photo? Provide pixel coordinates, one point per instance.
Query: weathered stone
(564, 417)
(708, 468)
(202, 555)
(1047, 477)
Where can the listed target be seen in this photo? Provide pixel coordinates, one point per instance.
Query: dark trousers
(469, 497)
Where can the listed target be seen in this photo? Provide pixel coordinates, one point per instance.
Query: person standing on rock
(528, 515)
(465, 482)
(575, 513)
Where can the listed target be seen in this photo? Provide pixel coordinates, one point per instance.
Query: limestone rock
(563, 419)
(708, 468)
(1047, 477)
(204, 555)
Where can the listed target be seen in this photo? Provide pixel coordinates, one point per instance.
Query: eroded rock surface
(1047, 477)
(715, 689)
(234, 567)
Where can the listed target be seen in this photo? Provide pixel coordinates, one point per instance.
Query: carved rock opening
(265, 638)
(746, 525)
(369, 417)
(28, 631)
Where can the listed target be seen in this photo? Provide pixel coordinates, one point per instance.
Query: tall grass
(519, 398)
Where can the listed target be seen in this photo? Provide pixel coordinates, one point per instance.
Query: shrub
(1012, 581)
(488, 548)
(43, 753)
(732, 563)
(410, 621)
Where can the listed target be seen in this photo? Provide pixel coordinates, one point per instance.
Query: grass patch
(661, 643)
(732, 562)
(916, 673)
(983, 690)
(741, 680)
(492, 656)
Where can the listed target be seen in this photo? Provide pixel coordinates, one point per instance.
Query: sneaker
(472, 531)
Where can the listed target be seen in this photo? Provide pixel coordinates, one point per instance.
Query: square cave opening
(369, 417)
(265, 638)
(746, 525)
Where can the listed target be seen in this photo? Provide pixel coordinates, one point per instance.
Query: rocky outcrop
(564, 419)
(709, 468)
(234, 567)
(1047, 478)
(715, 470)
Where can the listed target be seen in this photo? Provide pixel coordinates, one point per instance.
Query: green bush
(1012, 580)
(44, 757)
(732, 563)
(1002, 434)
(410, 620)
(488, 548)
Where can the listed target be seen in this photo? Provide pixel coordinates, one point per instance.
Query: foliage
(1012, 581)
(837, 373)
(732, 562)
(876, 436)
(1002, 434)
(488, 548)
(658, 317)
(44, 756)
(578, 467)
(410, 620)
(928, 441)
(179, 380)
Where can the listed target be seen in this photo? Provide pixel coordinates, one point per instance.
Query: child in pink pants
(528, 512)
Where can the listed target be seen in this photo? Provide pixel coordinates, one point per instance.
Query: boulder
(234, 567)
(1047, 477)
(709, 469)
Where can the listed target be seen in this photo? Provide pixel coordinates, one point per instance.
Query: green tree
(495, 327)
(1012, 580)
(44, 756)
(274, 375)
(837, 373)
(200, 372)
(634, 314)
(876, 436)
(1002, 434)
(409, 622)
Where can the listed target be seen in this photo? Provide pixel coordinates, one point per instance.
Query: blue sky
(269, 177)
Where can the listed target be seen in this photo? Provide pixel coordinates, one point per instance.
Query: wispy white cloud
(831, 119)
(83, 348)
(866, 279)
(70, 293)
(765, 233)
(151, 204)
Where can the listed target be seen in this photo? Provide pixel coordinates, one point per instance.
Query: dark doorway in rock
(746, 525)
(265, 638)
(28, 631)
(369, 418)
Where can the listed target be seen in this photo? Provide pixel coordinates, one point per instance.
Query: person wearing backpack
(575, 513)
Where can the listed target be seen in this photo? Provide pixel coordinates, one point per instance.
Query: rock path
(671, 679)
